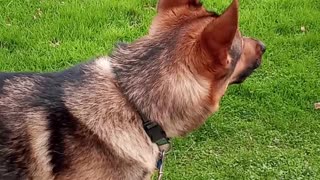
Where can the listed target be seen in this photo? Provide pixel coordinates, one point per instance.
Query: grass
(267, 128)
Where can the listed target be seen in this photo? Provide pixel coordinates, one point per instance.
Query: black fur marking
(14, 152)
(8, 76)
(75, 74)
(61, 123)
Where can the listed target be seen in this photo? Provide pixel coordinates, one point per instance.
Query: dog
(87, 122)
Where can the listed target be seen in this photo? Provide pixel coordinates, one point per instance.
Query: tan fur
(103, 66)
(39, 136)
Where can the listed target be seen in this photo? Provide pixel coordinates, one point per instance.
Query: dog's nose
(262, 46)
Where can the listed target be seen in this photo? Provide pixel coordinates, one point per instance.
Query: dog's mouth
(245, 74)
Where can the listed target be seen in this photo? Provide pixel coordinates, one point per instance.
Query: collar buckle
(159, 137)
(156, 133)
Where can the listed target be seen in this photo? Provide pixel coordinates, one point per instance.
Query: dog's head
(178, 73)
(211, 45)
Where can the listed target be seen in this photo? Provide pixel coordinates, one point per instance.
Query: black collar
(154, 131)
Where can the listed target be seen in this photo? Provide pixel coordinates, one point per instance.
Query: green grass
(267, 128)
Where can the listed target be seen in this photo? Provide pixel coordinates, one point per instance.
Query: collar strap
(154, 131)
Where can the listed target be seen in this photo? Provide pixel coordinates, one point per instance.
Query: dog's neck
(165, 92)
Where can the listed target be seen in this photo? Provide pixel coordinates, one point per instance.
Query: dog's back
(70, 124)
(26, 104)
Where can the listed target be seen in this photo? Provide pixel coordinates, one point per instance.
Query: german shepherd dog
(85, 122)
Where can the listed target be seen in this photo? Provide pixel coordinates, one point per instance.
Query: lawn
(267, 128)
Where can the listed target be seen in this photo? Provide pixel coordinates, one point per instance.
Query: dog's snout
(262, 47)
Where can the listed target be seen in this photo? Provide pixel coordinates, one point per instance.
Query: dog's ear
(217, 37)
(169, 4)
